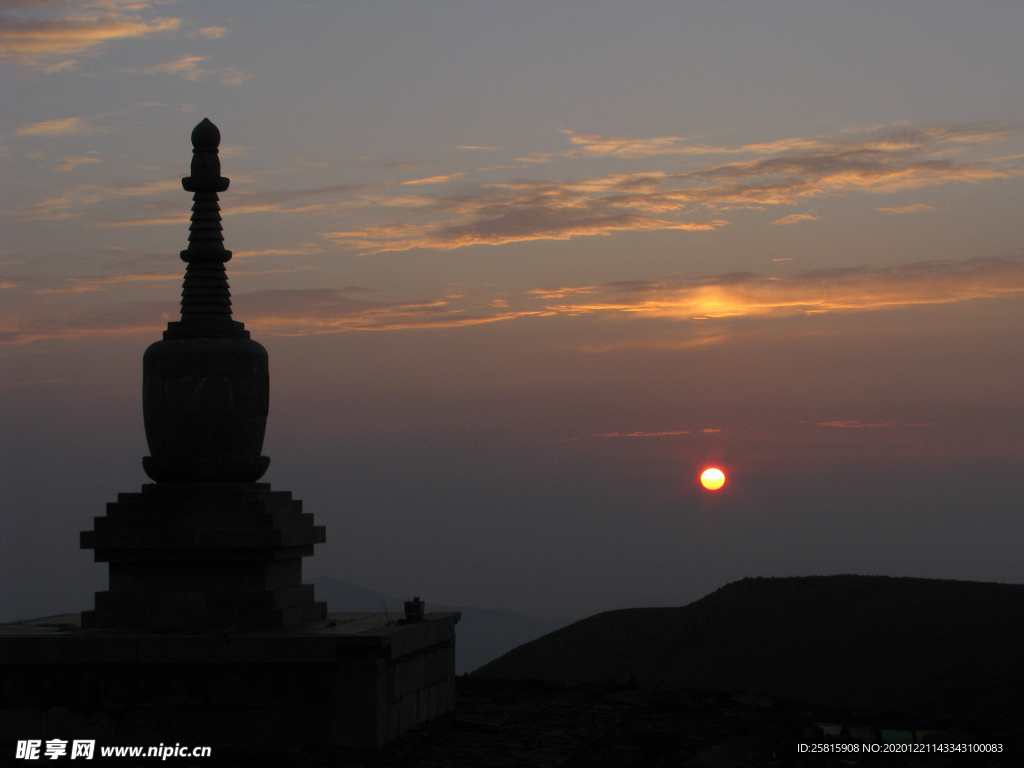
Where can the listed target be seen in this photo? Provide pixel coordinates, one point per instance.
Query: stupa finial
(205, 162)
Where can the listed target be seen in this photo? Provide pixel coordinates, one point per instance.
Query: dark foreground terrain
(762, 672)
(930, 646)
(524, 723)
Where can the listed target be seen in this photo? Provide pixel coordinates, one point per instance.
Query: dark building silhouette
(205, 547)
(207, 635)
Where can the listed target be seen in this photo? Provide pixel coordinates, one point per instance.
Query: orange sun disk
(712, 479)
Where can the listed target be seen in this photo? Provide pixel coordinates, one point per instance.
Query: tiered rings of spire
(206, 282)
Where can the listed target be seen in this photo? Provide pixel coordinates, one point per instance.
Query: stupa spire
(205, 296)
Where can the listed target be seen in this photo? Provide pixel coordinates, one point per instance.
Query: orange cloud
(303, 251)
(74, 201)
(105, 282)
(70, 163)
(515, 225)
(433, 179)
(190, 68)
(645, 434)
(915, 208)
(212, 33)
(787, 172)
(314, 311)
(796, 218)
(110, 320)
(809, 292)
(34, 41)
(67, 126)
(282, 312)
(871, 424)
(302, 312)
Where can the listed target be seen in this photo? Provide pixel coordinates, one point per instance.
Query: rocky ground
(525, 723)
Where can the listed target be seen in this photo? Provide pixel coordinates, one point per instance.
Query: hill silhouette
(923, 645)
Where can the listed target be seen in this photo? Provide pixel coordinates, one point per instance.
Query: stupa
(207, 635)
(205, 546)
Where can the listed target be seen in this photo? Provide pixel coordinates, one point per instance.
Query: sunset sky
(524, 270)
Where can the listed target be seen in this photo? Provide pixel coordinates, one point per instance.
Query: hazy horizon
(523, 271)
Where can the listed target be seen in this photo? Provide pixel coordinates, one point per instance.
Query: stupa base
(354, 680)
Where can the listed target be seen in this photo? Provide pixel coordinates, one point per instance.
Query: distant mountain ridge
(850, 641)
(482, 635)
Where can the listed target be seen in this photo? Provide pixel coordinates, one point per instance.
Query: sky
(525, 269)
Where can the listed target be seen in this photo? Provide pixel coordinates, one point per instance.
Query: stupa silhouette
(207, 635)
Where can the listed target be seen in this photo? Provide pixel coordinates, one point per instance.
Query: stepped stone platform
(351, 680)
(187, 556)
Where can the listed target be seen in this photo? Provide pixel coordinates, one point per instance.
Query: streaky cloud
(85, 26)
(65, 126)
(788, 172)
(796, 218)
(873, 424)
(808, 292)
(915, 208)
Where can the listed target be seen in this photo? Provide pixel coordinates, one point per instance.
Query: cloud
(595, 145)
(191, 68)
(212, 33)
(68, 65)
(796, 218)
(187, 67)
(788, 172)
(314, 311)
(153, 221)
(279, 312)
(303, 251)
(871, 425)
(73, 201)
(808, 292)
(646, 434)
(110, 320)
(433, 179)
(233, 76)
(34, 40)
(105, 282)
(514, 225)
(65, 126)
(70, 163)
(915, 208)
(653, 344)
(79, 199)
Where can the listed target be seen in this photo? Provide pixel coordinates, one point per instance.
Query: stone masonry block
(157, 576)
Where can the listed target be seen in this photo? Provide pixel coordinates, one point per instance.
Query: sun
(712, 479)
